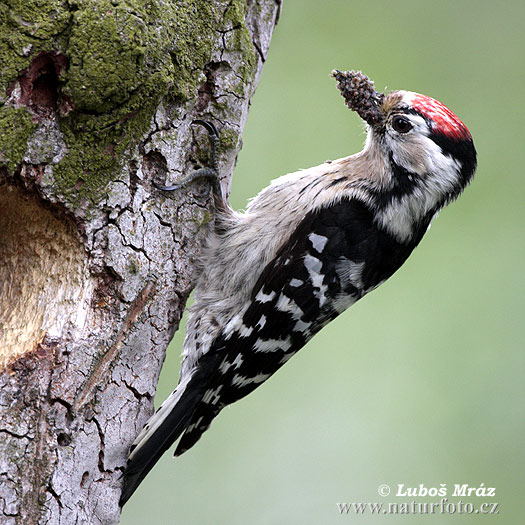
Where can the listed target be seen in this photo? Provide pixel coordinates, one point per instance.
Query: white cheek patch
(443, 173)
(435, 175)
(404, 146)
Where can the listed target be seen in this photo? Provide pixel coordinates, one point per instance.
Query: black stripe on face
(404, 183)
(461, 150)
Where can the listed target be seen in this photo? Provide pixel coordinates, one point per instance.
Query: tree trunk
(96, 103)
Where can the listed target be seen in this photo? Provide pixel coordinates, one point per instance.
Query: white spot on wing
(272, 345)
(350, 271)
(244, 331)
(237, 362)
(243, 381)
(295, 283)
(211, 395)
(261, 297)
(285, 304)
(232, 326)
(301, 326)
(318, 241)
(225, 366)
(193, 426)
(314, 266)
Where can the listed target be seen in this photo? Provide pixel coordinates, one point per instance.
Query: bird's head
(428, 150)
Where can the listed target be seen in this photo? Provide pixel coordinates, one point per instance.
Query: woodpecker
(306, 248)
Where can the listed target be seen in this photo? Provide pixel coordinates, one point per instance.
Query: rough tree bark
(96, 103)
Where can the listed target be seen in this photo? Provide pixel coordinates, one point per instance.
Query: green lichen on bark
(124, 57)
(237, 41)
(228, 140)
(240, 39)
(16, 126)
(26, 28)
(192, 26)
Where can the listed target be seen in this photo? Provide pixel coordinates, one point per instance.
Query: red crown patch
(446, 122)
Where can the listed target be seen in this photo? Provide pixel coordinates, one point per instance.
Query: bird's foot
(210, 173)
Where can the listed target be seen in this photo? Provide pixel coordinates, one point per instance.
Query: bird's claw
(210, 173)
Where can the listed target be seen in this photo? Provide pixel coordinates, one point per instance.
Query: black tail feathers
(167, 424)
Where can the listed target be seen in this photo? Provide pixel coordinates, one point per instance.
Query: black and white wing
(333, 258)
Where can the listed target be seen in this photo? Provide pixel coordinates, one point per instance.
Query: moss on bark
(16, 126)
(124, 57)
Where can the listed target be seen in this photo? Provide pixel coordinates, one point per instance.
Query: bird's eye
(401, 124)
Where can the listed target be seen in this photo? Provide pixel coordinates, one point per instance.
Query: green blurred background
(422, 381)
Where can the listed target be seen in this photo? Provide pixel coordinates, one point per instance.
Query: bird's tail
(166, 425)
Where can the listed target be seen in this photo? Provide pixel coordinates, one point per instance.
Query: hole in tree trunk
(44, 285)
(63, 439)
(38, 86)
